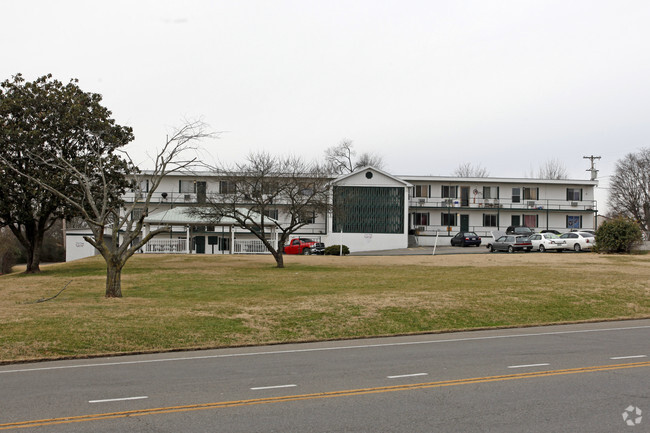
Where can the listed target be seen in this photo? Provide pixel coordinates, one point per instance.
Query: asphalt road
(571, 378)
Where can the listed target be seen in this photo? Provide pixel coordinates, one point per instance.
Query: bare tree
(552, 169)
(101, 179)
(264, 184)
(469, 170)
(629, 192)
(341, 159)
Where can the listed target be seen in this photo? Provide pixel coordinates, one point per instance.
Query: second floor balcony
(498, 203)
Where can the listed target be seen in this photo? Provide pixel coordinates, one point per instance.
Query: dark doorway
(199, 243)
(464, 223)
(201, 192)
(464, 195)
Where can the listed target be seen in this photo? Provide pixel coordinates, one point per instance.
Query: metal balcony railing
(508, 204)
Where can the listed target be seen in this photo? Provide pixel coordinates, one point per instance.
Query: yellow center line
(330, 394)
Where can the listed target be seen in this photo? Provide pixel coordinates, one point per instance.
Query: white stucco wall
(76, 247)
(367, 241)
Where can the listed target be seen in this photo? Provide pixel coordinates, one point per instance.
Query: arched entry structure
(191, 234)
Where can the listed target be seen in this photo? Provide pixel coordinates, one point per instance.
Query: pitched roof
(181, 216)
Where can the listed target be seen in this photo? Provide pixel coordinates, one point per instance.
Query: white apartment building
(375, 211)
(444, 205)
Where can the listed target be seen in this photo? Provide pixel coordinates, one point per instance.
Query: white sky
(428, 85)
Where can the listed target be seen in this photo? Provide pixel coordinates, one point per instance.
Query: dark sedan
(511, 243)
(465, 239)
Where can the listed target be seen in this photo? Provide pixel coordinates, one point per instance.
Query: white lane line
(629, 357)
(407, 375)
(273, 387)
(118, 399)
(544, 364)
(321, 349)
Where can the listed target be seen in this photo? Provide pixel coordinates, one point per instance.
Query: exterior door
(199, 243)
(464, 195)
(516, 220)
(464, 223)
(201, 192)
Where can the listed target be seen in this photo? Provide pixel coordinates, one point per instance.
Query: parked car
(464, 239)
(578, 241)
(515, 230)
(304, 246)
(551, 231)
(547, 241)
(511, 243)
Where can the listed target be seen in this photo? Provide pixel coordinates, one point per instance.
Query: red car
(304, 246)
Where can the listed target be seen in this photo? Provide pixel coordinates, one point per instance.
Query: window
(310, 217)
(136, 214)
(574, 194)
(421, 219)
(142, 187)
(516, 195)
(530, 220)
(421, 190)
(489, 220)
(186, 186)
(448, 219)
(574, 221)
(271, 213)
(449, 191)
(487, 192)
(531, 193)
(226, 187)
(368, 209)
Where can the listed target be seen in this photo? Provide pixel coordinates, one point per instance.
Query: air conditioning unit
(449, 202)
(531, 204)
(421, 201)
(574, 203)
(188, 197)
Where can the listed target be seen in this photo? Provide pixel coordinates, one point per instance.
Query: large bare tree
(629, 191)
(342, 159)
(470, 170)
(101, 178)
(552, 169)
(263, 184)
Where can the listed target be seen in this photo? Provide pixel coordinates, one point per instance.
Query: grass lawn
(182, 302)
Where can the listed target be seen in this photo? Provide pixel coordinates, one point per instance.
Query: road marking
(118, 399)
(330, 394)
(320, 349)
(529, 365)
(629, 357)
(407, 375)
(273, 387)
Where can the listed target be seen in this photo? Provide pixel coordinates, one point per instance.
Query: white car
(578, 241)
(547, 241)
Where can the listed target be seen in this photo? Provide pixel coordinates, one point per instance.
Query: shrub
(335, 250)
(618, 235)
(8, 251)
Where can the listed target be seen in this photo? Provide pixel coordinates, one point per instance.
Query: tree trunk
(279, 259)
(113, 280)
(34, 256)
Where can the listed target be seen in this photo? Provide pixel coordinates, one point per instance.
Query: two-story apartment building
(442, 205)
(373, 210)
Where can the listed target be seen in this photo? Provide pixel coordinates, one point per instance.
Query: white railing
(250, 246)
(166, 246)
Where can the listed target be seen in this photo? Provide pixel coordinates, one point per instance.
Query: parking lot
(445, 250)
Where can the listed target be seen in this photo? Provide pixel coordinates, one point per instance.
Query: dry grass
(181, 302)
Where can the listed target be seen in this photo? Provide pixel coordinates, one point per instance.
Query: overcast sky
(428, 85)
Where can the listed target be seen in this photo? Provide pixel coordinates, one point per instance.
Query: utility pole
(594, 172)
